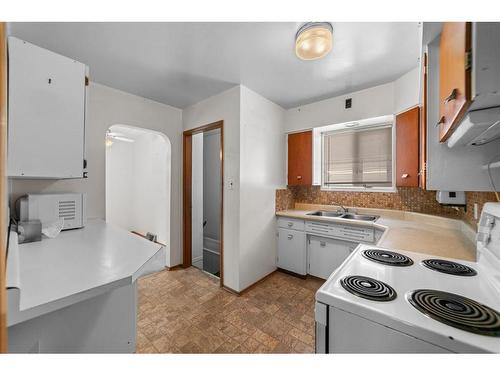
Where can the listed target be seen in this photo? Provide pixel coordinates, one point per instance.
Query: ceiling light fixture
(313, 40)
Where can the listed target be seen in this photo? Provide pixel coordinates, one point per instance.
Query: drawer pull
(299, 177)
(290, 236)
(441, 121)
(290, 224)
(322, 243)
(451, 97)
(405, 175)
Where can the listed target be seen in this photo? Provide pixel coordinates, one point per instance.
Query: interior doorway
(138, 182)
(203, 199)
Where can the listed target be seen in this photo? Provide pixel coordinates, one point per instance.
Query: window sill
(391, 189)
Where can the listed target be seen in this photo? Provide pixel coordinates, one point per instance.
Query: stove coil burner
(387, 257)
(446, 266)
(456, 311)
(366, 287)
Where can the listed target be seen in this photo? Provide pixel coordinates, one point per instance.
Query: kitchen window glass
(357, 158)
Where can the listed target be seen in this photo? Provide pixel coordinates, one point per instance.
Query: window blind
(358, 157)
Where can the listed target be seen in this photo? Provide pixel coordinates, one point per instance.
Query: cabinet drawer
(348, 232)
(319, 228)
(296, 224)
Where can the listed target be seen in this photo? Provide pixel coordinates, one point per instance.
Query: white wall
(211, 184)
(119, 184)
(197, 198)
(107, 106)
(151, 184)
(372, 102)
(390, 98)
(138, 182)
(225, 106)
(262, 171)
(407, 91)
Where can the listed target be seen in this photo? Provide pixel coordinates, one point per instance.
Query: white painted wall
(225, 106)
(107, 106)
(372, 102)
(197, 198)
(211, 184)
(119, 184)
(262, 171)
(407, 91)
(151, 184)
(138, 182)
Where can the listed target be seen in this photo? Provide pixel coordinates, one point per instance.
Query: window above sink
(355, 156)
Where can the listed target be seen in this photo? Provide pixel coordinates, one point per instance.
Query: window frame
(353, 188)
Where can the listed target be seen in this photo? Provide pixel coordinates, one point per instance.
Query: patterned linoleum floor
(185, 311)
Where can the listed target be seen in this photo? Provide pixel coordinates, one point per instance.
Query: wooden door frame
(3, 186)
(187, 193)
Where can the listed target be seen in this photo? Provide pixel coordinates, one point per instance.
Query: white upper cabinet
(46, 134)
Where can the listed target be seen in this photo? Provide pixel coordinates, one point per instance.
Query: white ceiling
(182, 63)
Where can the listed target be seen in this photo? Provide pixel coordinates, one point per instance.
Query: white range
(390, 301)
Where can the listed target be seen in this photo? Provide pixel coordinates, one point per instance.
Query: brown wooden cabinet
(423, 127)
(454, 76)
(407, 148)
(300, 158)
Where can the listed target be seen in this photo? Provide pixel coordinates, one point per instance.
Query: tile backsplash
(405, 199)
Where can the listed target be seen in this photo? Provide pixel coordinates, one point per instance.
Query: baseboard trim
(293, 273)
(174, 268)
(250, 286)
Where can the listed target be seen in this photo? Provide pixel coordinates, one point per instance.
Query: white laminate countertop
(100, 255)
(404, 230)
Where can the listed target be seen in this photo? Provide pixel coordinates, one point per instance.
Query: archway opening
(138, 181)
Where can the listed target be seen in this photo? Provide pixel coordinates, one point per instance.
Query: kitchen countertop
(428, 234)
(76, 265)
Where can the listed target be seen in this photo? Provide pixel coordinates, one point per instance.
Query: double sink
(344, 215)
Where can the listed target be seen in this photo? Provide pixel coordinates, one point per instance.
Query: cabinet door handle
(299, 177)
(441, 121)
(405, 175)
(290, 224)
(451, 97)
(322, 243)
(290, 236)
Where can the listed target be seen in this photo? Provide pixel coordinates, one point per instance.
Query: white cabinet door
(292, 251)
(46, 113)
(326, 254)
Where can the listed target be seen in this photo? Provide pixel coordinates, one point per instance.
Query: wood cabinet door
(454, 76)
(407, 147)
(423, 128)
(300, 158)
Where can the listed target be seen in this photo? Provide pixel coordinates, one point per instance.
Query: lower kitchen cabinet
(327, 254)
(292, 251)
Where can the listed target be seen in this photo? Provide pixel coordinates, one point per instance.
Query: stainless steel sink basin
(326, 213)
(360, 217)
(340, 215)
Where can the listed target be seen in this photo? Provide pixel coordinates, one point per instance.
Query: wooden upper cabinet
(407, 148)
(300, 158)
(454, 76)
(423, 127)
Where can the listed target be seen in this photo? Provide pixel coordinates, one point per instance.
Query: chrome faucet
(342, 209)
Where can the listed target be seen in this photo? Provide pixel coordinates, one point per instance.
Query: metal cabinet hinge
(468, 60)
(86, 81)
